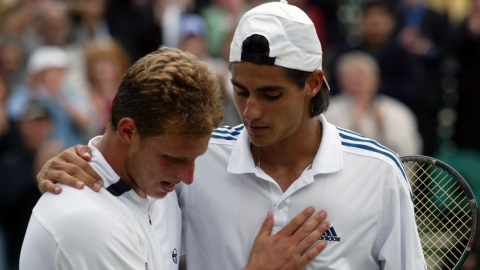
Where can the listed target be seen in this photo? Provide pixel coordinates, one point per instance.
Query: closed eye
(273, 97)
(242, 93)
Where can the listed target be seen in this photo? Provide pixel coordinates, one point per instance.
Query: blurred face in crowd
(377, 26)
(91, 10)
(51, 78)
(104, 70)
(56, 25)
(195, 45)
(106, 76)
(35, 132)
(10, 60)
(358, 80)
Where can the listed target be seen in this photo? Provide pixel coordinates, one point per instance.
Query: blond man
(156, 130)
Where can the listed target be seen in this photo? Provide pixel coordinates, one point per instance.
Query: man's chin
(158, 195)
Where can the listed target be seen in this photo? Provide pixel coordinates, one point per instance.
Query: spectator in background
(134, 25)
(170, 13)
(52, 26)
(403, 77)
(106, 63)
(222, 17)
(423, 31)
(56, 29)
(361, 109)
(468, 51)
(11, 60)
(426, 34)
(90, 24)
(70, 111)
(192, 32)
(330, 10)
(19, 165)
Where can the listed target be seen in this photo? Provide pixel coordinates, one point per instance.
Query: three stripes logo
(330, 235)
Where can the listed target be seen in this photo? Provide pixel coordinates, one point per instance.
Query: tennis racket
(446, 212)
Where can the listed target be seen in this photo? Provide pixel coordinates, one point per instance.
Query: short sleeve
(399, 243)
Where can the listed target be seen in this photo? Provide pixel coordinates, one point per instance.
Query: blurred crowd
(403, 72)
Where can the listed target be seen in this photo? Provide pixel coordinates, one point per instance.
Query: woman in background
(106, 62)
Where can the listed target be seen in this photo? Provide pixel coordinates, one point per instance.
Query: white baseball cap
(47, 57)
(291, 35)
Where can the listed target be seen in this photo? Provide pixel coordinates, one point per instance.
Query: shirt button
(281, 205)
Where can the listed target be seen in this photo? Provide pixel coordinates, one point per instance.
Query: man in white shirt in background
(360, 108)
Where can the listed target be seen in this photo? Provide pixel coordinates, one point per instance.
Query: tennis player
(287, 156)
(149, 147)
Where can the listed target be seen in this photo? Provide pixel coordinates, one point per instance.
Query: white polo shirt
(361, 185)
(112, 229)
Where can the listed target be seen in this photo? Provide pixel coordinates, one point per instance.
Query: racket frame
(468, 191)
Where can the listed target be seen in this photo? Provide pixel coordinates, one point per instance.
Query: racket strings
(442, 214)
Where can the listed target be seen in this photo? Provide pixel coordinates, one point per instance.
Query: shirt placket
(279, 208)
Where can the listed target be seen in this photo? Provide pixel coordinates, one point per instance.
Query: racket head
(445, 209)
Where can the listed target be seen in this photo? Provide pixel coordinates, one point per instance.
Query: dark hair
(378, 4)
(169, 91)
(319, 103)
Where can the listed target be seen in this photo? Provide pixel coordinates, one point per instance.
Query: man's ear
(314, 83)
(127, 130)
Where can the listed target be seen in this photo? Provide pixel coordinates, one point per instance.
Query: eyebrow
(261, 89)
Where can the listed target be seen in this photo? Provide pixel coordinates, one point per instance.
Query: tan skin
(152, 165)
(276, 114)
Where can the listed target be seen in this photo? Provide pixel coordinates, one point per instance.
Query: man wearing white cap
(71, 112)
(286, 156)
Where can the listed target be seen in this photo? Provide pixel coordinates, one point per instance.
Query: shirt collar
(101, 166)
(112, 181)
(329, 157)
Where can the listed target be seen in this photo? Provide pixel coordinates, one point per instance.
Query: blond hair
(169, 91)
(106, 50)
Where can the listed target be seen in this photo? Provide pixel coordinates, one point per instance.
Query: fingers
(77, 167)
(312, 253)
(70, 169)
(48, 185)
(77, 176)
(310, 227)
(83, 151)
(314, 236)
(267, 226)
(297, 222)
(309, 237)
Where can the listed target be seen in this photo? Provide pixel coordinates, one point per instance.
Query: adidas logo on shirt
(330, 235)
